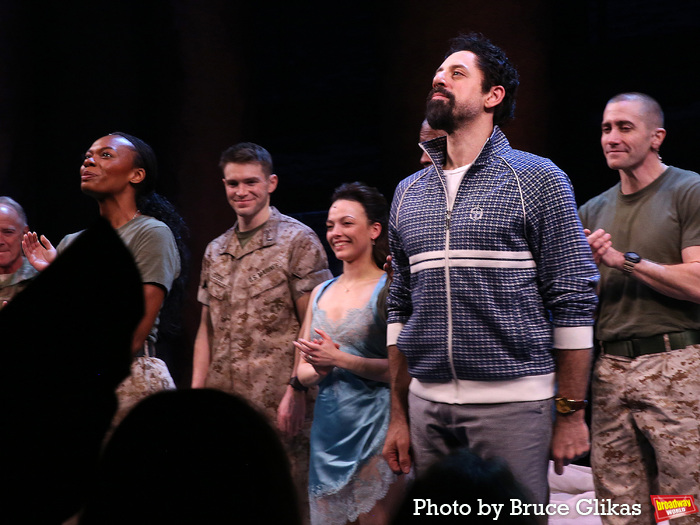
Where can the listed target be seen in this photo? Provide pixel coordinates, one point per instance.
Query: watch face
(632, 257)
(562, 406)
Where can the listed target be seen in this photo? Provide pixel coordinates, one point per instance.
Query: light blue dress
(347, 474)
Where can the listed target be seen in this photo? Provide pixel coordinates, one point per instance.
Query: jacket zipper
(448, 219)
(448, 288)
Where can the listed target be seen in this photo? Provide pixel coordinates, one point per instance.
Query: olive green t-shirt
(155, 252)
(656, 222)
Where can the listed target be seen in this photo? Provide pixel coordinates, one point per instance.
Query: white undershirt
(454, 179)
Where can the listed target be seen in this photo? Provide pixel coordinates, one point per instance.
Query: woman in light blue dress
(343, 351)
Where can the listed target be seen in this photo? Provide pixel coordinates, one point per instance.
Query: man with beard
(492, 300)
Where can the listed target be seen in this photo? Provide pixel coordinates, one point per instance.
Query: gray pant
(519, 433)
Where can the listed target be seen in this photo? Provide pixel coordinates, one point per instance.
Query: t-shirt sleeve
(157, 257)
(66, 242)
(689, 213)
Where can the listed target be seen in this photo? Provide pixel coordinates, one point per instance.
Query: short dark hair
(247, 153)
(377, 210)
(651, 107)
(496, 68)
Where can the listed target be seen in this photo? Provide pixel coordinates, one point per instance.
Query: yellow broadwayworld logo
(669, 507)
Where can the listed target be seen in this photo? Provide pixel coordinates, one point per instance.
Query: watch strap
(631, 259)
(296, 385)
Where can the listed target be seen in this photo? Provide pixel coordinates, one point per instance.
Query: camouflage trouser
(646, 430)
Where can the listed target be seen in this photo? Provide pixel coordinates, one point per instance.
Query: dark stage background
(334, 90)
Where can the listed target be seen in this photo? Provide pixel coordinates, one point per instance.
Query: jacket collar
(437, 149)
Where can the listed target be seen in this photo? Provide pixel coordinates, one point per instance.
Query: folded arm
(679, 281)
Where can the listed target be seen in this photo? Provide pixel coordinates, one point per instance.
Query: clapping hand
(322, 353)
(38, 251)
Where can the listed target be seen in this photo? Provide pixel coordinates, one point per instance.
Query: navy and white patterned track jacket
(483, 288)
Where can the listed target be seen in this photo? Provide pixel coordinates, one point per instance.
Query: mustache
(442, 91)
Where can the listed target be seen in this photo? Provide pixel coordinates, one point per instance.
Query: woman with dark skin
(119, 171)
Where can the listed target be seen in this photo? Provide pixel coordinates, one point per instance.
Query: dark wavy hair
(151, 203)
(377, 210)
(496, 68)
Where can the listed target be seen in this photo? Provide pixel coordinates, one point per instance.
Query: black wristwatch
(568, 406)
(631, 259)
(296, 385)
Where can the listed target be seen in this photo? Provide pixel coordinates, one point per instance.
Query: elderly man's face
(11, 232)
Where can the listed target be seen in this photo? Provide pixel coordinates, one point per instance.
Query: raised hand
(38, 251)
(602, 247)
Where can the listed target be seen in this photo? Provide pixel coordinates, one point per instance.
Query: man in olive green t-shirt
(645, 236)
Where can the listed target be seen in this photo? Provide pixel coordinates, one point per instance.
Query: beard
(440, 113)
(447, 115)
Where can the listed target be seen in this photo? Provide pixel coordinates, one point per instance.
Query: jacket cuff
(573, 337)
(392, 333)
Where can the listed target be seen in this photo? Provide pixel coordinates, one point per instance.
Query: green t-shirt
(656, 222)
(155, 252)
(244, 237)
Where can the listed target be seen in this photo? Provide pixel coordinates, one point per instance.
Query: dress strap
(374, 300)
(324, 287)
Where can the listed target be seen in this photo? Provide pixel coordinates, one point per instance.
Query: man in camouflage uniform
(254, 288)
(645, 237)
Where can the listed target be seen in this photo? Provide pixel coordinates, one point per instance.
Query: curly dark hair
(377, 210)
(151, 203)
(496, 68)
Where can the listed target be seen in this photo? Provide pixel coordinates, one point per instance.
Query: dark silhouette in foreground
(58, 397)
